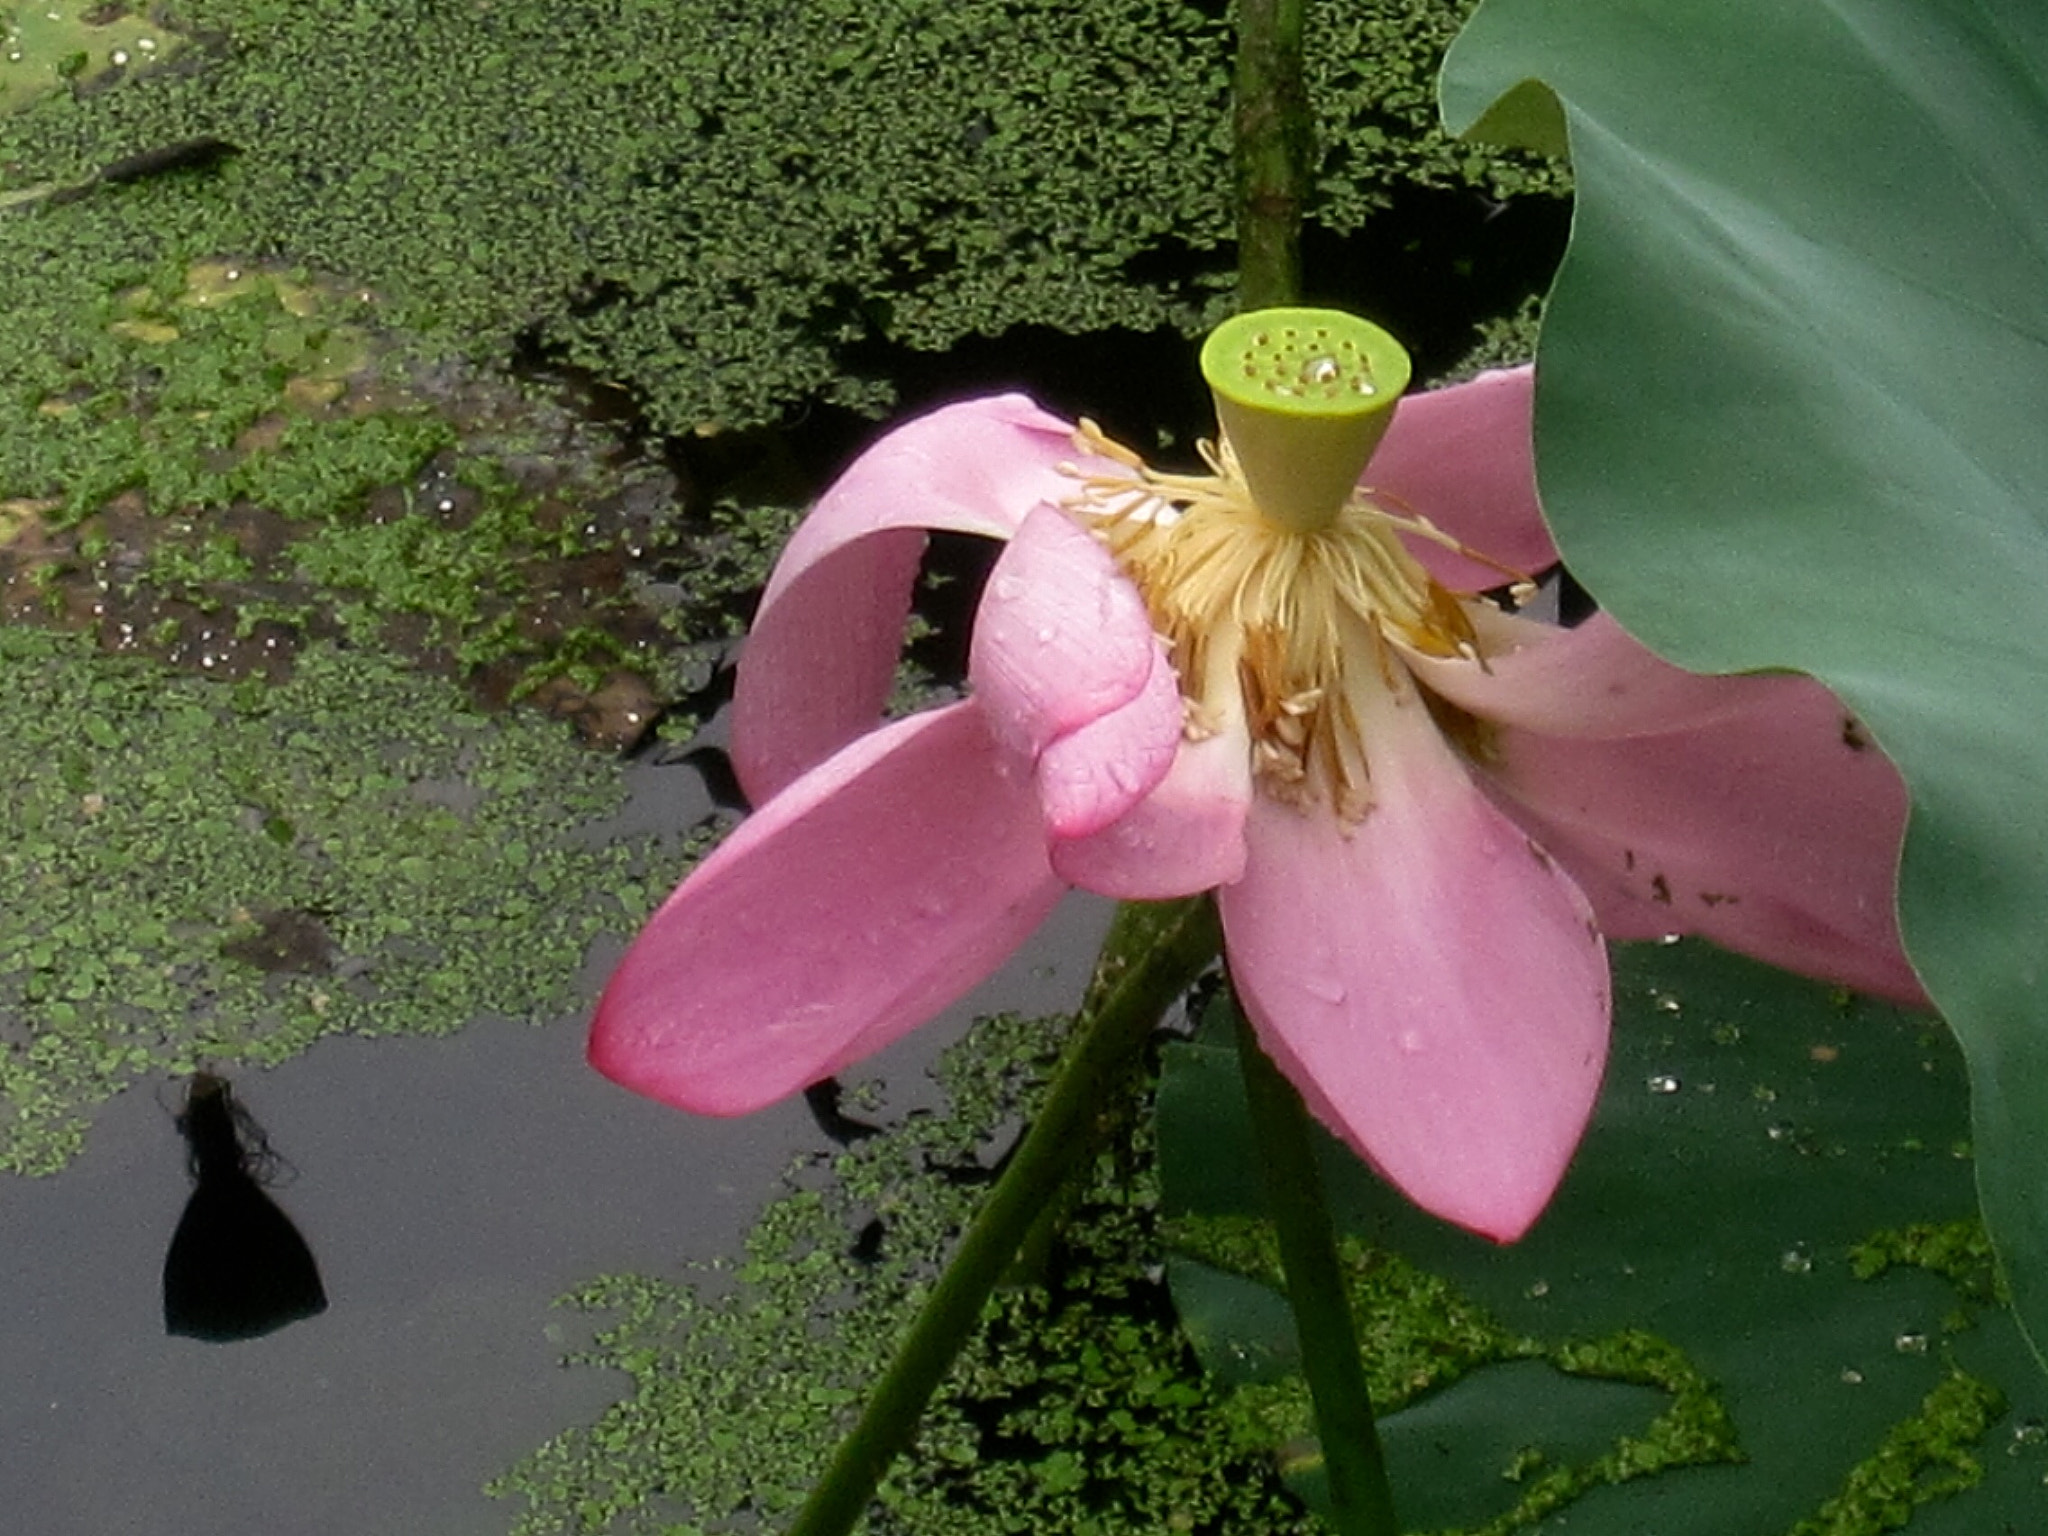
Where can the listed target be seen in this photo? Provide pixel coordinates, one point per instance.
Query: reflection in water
(237, 1268)
(823, 1099)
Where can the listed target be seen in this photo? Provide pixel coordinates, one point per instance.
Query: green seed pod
(1303, 396)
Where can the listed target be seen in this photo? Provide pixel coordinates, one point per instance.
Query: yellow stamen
(1290, 620)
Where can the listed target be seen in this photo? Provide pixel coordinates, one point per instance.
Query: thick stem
(1154, 951)
(1275, 147)
(1362, 1502)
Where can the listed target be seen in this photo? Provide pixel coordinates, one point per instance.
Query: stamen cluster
(1278, 626)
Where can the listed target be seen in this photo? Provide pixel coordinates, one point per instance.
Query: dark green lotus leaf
(1761, 1302)
(1790, 413)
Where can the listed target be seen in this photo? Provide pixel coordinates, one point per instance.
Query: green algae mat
(51, 46)
(725, 219)
(205, 875)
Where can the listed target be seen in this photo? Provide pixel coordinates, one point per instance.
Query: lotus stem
(1361, 1499)
(1153, 953)
(1275, 136)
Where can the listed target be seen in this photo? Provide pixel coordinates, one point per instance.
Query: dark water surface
(450, 1190)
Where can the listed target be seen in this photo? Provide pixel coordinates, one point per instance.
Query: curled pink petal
(1093, 775)
(1430, 980)
(873, 892)
(1186, 836)
(1062, 638)
(1595, 680)
(1775, 831)
(1463, 458)
(821, 656)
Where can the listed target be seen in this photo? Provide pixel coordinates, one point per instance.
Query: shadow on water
(237, 1267)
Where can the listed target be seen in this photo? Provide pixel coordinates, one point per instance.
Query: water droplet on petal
(1006, 589)
(1325, 988)
(1411, 1042)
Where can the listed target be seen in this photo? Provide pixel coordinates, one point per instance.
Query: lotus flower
(1419, 810)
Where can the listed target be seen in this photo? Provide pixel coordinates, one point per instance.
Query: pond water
(450, 1191)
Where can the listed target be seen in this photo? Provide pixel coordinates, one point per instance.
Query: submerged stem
(1153, 952)
(1362, 1502)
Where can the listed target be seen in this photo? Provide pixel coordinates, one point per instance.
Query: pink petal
(1463, 458)
(1071, 676)
(821, 656)
(1774, 831)
(1093, 776)
(849, 909)
(1062, 638)
(1595, 680)
(1429, 979)
(1186, 836)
